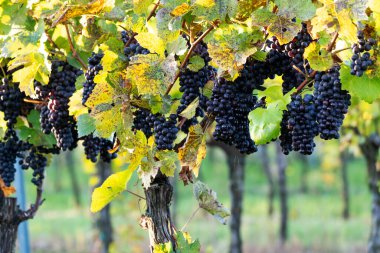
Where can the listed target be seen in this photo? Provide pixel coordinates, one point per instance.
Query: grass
(315, 223)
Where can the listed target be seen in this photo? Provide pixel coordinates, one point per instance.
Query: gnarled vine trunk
(157, 219)
(9, 221)
(370, 150)
(283, 193)
(344, 156)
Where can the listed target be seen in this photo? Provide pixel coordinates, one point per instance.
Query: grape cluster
(331, 101)
(286, 138)
(361, 59)
(231, 103)
(133, 48)
(94, 67)
(55, 116)
(93, 146)
(144, 121)
(302, 123)
(11, 148)
(37, 162)
(11, 101)
(165, 131)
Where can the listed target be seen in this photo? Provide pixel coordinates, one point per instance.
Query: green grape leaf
(207, 200)
(86, 125)
(167, 164)
(319, 59)
(178, 46)
(193, 152)
(186, 244)
(301, 9)
(364, 87)
(164, 28)
(110, 189)
(191, 109)
(196, 63)
(114, 57)
(33, 133)
(141, 6)
(246, 7)
(281, 27)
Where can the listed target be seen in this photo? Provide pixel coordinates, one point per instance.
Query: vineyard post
(283, 192)
(344, 157)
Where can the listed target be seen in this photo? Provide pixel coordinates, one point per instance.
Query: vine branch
(153, 11)
(31, 212)
(75, 54)
(187, 57)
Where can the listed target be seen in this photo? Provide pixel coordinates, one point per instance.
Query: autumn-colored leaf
(7, 190)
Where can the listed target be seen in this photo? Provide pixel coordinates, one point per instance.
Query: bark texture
(281, 165)
(103, 219)
(9, 221)
(268, 173)
(344, 156)
(370, 150)
(157, 219)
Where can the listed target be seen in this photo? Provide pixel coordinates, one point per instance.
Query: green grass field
(315, 223)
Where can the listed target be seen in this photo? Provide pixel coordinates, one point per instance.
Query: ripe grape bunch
(11, 101)
(134, 47)
(165, 131)
(361, 59)
(55, 116)
(331, 101)
(93, 146)
(94, 67)
(37, 162)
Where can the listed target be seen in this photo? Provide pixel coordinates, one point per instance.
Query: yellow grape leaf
(347, 29)
(319, 59)
(246, 7)
(302, 9)
(205, 3)
(374, 5)
(25, 77)
(194, 150)
(180, 10)
(152, 42)
(281, 27)
(322, 21)
(151, 74)
(110, 189)
(7, 190)
(103, 93)
(224, 59)
(141, 6)
(75, 105)
(140, 149)
(67, 12)
(108, 119)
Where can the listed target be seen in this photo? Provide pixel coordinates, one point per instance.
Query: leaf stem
(187, 57)
(340, 50)
(190, 218)
(332, 44)
(75, 54)
(137, 195)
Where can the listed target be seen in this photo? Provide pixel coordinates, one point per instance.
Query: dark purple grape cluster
(165, 131)
(302, 124)
(231, 102)
(11, 148)
(55, 116)
(11, 101)
(286, 138)
(361, 59)
(94, 67)
(94, 146)
(144, 121)
(331, 101)
(133, 48)
(37, 162)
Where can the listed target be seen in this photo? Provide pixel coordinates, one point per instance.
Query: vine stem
(190, 218)
(153, 11)
(340, 50)
(187, 57)
(75, 54)
(135, 194)
(31, 212)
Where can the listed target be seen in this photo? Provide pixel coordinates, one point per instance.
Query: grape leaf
(110, 189)
(194, 150)
(364, 87)
(319, 59)
(7, 190)
(281, 27)
(347, 29)
(167, 163)
(246, 7)
(190, 110)
(178, 46)
(75, 105)
(207, 200)
(180, 10)
(323, 21)
(152, 42)
(196, 63)
(141, 6)
(212, 10)
(86, 125)
(301, 9)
